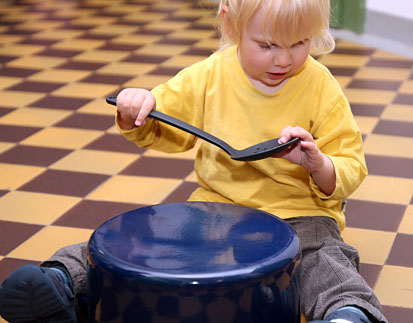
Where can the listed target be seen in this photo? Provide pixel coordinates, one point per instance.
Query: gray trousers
(329, 280)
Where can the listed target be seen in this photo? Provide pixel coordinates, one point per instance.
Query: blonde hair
(290, 21)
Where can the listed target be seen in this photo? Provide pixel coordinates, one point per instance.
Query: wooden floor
(64, 169)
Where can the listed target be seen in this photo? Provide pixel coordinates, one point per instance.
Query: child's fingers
(146, 107)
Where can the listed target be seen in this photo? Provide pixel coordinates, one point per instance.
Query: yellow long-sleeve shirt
(216, 96)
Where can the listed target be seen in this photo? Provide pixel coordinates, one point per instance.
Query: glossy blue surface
(193, 250)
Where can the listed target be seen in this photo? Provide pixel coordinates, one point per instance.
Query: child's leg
(74, 259)
(329, 272)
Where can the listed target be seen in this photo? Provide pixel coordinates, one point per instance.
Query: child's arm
(133, 106)
(307, 154)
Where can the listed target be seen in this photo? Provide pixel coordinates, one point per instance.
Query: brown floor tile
(14, 233)
(117, 143)
(374, 84)
(404, 99)
(398, 314)
(120, 47)
(374, 215)
(4, 111)
(342, 71)
(3, 192)
(198, 52)
(145, 59)
(177, 41)
(59, 102)
(31, 86)
(39, 41)
(90, 214)
(5, 59)
(367, 110)
(181, 193)
(84, 66)
(169, 71)
(354, 51)
(16, 133)
(8, 265)
(30, 155)
(391, 63)
(370, 273)
(17, 72)
(107, 79)
(160, 167)
(87, 121)
(58, 53)
(390, 166)
(394, 128)
(97, 36)
(64, 183)
(401, 253)
(157, 32)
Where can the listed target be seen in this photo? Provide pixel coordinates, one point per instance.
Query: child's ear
(226, 20)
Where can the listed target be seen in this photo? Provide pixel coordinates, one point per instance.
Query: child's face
(267, 66)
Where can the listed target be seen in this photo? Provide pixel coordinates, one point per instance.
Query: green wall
(348, 14)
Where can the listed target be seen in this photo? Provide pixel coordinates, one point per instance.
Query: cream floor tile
(189, 12)
(16, 99)
(191, 34)
(385, 189)
(113, 29)
(57, 34)
(36, 208)
(92, 161)
(344, 60)
(124, 9)
(113, 130)
(13, 176)
(385, 74)
(388, 146)
(166, 25)
(98, 106)
(124, 68)
(6, 81)
(366, 124)
(191, 177)
(406, 226)
(373, 246)
(10, 39)
(346, 44)
(5, 146)
(369, 96)
(59, 75)
(36, 62)
(20, 49)
(182, 61)
(343, 81)
(209, 43)
(398, 112)
(101, 56)
(88, 20)
(34, 117)
(407, 87)
(136, 39)
(387, 55)
(74, 12)
(39, 246)
(85, 90)
(395, 286)
(134, 189)
(65, 138)
(78, 44)
(190, 154)
(147, 81)
(156, 49)
(147, 17)
(40, 25)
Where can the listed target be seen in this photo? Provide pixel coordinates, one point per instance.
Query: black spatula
(259, 151)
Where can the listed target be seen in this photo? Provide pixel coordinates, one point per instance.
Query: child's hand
(307, 154)
(133, 106)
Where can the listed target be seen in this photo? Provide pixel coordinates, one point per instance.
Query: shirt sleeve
(337, 135)
(181, 97)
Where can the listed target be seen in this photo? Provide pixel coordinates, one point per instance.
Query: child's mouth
(276, 76)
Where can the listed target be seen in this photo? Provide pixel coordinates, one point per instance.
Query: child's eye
(264, 45)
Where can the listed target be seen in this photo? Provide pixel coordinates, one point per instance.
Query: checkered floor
(64, 169)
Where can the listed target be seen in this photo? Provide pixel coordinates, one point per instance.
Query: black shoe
(37, 294)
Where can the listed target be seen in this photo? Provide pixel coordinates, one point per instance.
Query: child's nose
(282, 58)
